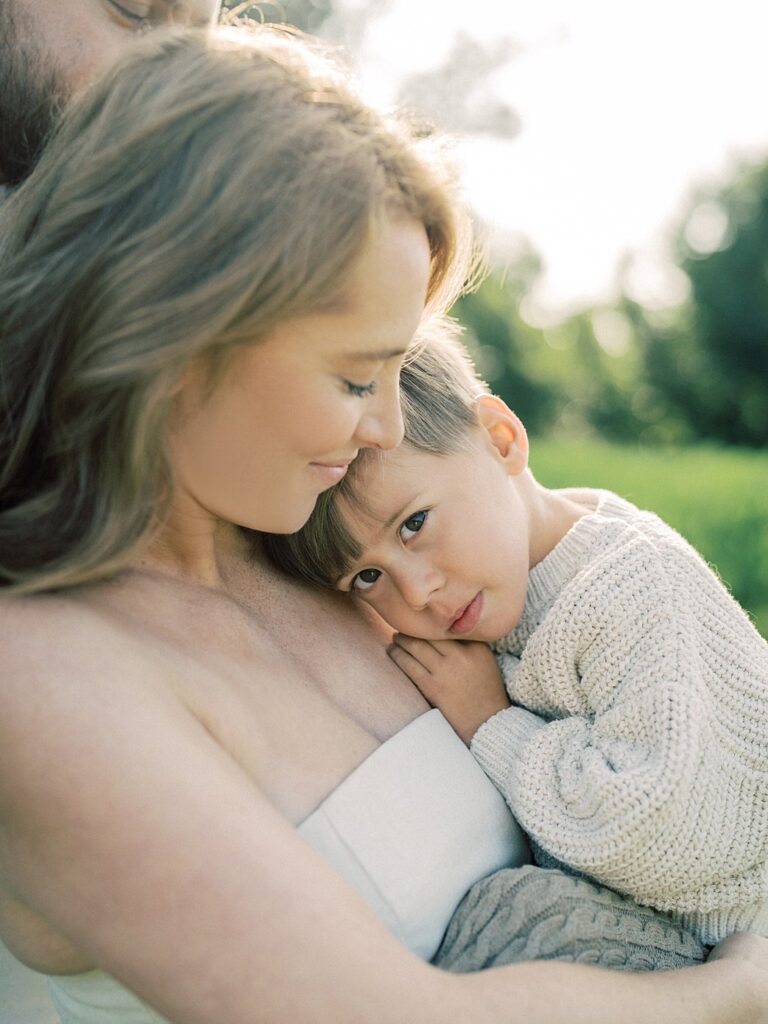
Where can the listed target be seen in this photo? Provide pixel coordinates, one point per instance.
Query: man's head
(434, 535)
(51, 48)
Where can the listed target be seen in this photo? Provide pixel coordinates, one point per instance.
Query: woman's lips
(329, 472)
(468, 618)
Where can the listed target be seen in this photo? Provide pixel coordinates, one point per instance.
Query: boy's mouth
(468, 617)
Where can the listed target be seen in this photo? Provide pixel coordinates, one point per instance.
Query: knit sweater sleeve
(630, 766)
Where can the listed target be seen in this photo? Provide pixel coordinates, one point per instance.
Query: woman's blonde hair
(208, 187)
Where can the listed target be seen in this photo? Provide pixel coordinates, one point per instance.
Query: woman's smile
(331, 472)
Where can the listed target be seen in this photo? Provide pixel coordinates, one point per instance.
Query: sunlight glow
(625, 113)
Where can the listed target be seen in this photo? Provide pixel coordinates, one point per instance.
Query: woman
(208, 287)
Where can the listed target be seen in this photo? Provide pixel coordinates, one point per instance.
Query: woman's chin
(289, 513)
(290, 520)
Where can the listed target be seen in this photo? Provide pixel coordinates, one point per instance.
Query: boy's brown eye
(365, 579)
(413, 524)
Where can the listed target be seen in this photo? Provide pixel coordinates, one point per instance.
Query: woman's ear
(504, 431)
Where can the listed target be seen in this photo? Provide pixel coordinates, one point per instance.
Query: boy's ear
(505, 432)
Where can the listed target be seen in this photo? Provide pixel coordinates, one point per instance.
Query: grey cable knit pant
(534, 913)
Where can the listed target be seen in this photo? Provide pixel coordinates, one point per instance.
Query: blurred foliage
(559, 379)
(709, 495)
(691, 372)
(508, 353)
(712, 363)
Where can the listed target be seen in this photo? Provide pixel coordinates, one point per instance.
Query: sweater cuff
(499, 742)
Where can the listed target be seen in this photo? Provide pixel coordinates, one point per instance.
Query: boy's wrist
(485, 713)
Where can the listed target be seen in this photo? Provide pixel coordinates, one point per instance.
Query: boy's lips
(468, 616)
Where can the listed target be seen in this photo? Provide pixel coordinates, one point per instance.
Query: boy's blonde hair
(438, 390)
(208, 187)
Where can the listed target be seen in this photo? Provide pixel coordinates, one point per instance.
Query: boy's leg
(534, 913)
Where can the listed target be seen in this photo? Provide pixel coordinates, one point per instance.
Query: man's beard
(30, 103)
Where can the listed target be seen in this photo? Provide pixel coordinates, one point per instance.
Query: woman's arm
(550, 993)
(144, 843)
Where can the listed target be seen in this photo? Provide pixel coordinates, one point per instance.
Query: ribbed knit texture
(530, 913)
(642, 757)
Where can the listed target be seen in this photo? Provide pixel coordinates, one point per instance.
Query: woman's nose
(381, 426)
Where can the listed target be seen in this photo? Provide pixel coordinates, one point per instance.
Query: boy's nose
(417, 588)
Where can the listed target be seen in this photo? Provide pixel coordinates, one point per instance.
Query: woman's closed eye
(412, 525)
(360, 390)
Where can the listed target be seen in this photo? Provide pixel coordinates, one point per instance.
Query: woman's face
(292, 411)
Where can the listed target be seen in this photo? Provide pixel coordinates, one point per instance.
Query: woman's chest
(299, 694)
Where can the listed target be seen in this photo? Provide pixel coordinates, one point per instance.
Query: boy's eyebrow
(400, 512)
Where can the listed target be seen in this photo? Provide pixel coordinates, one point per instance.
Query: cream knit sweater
(642, 760)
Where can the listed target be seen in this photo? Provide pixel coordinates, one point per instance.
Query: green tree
(711, 362)
(505, 350)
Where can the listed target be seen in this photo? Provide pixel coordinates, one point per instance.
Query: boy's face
(445, 542)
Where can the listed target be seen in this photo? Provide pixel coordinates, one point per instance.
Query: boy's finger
(446, 648)
(411, 666)
(423, 650)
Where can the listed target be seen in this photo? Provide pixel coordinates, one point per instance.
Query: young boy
(625, 716)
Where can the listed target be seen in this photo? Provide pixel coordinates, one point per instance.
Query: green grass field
(717, 498)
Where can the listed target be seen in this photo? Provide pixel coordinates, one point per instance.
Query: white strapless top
(412, 828)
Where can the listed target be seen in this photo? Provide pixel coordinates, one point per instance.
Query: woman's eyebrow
(379, 356)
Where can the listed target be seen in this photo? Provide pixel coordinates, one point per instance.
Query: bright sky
(625, 108)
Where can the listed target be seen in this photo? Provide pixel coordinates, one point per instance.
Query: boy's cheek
(372, 605)
(380, 626)
(397, 616)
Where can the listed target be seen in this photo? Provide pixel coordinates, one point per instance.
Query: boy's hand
(460, 677)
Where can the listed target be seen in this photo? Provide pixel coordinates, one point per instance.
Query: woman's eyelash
(360, 390)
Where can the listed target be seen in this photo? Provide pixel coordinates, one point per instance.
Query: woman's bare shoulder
(50, 642)
(56, 618)
(68, 677)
